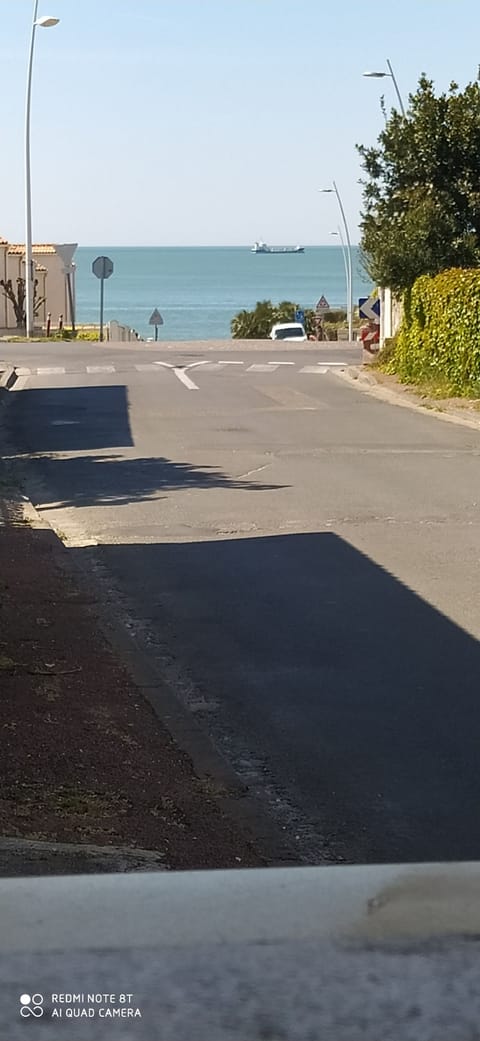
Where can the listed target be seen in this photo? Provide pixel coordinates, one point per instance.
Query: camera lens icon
(31, 1005)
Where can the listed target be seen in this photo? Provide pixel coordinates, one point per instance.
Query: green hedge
(439, 341)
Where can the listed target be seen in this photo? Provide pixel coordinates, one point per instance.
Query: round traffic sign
(102, 267)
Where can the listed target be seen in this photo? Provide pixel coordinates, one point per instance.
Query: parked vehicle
(294, 331)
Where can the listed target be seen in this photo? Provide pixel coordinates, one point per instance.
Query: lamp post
(391, 75)
(348, 251)
(339, 234)
(45, 23)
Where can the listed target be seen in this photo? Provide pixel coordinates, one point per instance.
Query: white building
(55, 272)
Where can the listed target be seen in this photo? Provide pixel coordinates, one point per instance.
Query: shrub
(87, 334)
(337, 317)
(386, 356)
(330, 330)
(439, 339)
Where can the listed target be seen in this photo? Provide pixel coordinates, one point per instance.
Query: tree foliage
(17, 298)
(422, 192)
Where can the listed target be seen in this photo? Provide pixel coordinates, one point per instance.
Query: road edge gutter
(366, 383)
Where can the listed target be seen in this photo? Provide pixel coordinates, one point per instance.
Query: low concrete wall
(308, 954)
(121, 333)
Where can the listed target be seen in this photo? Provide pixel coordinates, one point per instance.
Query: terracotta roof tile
(18, 250)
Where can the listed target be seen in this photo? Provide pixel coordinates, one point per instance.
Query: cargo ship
(261, 247)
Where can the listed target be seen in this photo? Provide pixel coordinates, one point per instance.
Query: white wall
(52, 282)
(391, 314)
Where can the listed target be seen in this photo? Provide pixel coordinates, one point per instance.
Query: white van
(293, 331)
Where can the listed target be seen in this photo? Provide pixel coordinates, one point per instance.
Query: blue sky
(189, 122)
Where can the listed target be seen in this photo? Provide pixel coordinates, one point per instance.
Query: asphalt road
(305, 561)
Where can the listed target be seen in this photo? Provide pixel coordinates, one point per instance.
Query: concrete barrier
(118, 333)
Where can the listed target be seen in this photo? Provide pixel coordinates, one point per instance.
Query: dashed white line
(281, 363)
(92, 369)
(231, 363)
(315, 370)
(262, 368)
(51, 371)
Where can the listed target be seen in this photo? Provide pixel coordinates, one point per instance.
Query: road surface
(304, 560)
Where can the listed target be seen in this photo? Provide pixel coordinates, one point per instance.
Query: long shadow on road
(111, 480)
(328, 682)
(81, 423)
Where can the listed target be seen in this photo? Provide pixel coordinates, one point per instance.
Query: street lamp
(348, 251)
(339, 234)
(44, 23)
(391, 75)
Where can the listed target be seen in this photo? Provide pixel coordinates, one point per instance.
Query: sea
(198, 290)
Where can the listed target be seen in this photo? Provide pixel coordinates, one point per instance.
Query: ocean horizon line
(244, 245)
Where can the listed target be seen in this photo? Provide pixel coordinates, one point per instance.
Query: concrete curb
(21, 857)
(364, 381)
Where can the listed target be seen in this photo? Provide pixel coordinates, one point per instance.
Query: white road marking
(261, 368)
(187, 382)
(315, 370)
(181, 373)
(257, 470)
(52, 371)
(20, 383)
(100, 368)
(231, 363)
(281, 363)
(333, 364)
(74, 542)
(22, 371)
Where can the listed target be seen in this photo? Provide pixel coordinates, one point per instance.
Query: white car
(293, 331)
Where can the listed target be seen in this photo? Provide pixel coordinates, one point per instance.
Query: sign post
(102, 267)
(156, 320)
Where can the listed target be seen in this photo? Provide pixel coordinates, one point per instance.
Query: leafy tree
(422, 193)
(17, 299)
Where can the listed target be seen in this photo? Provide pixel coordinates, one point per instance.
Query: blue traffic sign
(299, 316)
(369, 307)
